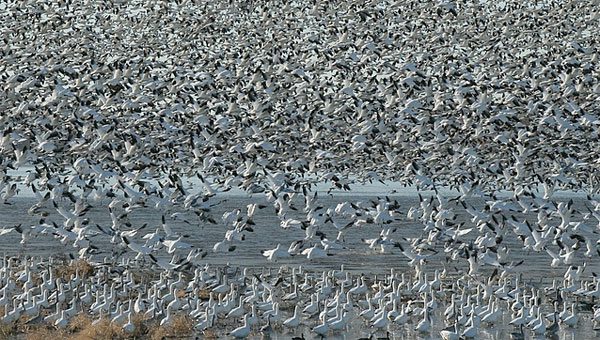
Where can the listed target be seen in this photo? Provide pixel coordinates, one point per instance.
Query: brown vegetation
(181, 327)
(81, 327)
(65, 271)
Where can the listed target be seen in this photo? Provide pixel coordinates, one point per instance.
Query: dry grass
(181, 326)
(79, 323)
(6, 331)
(103, 330)
(65, 271)
(81, 328)
(210, 334)
(144, 276)
(44, 333)
(204, 294)
(35, 331)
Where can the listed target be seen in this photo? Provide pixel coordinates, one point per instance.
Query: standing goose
(242, 331)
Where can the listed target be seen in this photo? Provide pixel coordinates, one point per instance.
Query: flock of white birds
(118, 105)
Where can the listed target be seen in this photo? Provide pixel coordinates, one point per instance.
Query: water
(357, 256)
